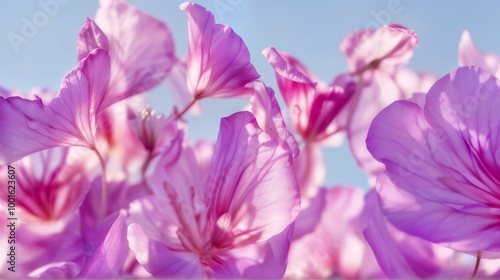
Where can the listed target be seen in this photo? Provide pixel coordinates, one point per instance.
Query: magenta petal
(218, 63)
(247, 164)
(69, 119)
(110, 252)
(158, 260)
(141, 49)
(297, 89)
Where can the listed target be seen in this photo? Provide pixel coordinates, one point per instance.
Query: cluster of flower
(106, 187)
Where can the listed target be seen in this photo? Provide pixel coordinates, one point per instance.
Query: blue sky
(311, 31)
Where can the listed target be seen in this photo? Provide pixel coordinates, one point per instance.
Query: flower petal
(158, 260)
(469, 54)
(267, 111)
(429, 189)
(218, 63)
(246, 168)
(29, 126)
(135, 66)
(391, 46)
(110, 251)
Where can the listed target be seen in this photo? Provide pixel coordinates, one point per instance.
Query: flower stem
(104, 193)
(179, 115)
(476, 267)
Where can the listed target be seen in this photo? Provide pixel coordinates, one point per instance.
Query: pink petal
(158, 260)
(218, 63)
(90, 37)
(247, 164)
(314, 108)
(297, 89)
(311, 172)
(51, 185)
(69, 119)
(178, 84)
(328, 241)
(266, 259)
(391, 46)
(135, 66)
(469, 54)
(412, 82)
(267, 112)
(374, 97)
(110, 251)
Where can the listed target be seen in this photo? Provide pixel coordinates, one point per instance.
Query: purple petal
(110, 251)
(218, 63)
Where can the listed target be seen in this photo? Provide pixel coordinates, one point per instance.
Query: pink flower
(328, 240)
(141, 48)
(469, 54)
(441, 180)
(69, 119)
(218, 62)
(314, 106)
(375, 56)
(236, 224)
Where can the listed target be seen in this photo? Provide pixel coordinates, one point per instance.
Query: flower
(441, 179)
(236, 224)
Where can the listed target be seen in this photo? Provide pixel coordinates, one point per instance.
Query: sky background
(311, 31)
